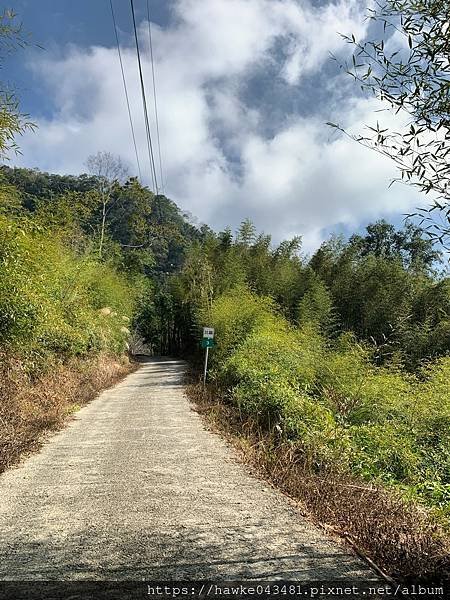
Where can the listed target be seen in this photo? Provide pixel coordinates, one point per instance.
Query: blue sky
(244, 90)
(53, 24)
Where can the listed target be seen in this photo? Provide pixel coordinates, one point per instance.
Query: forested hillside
(124, 227)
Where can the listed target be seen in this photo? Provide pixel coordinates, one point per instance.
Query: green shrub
(234, 316)
(384, 451)
(341, 412)
(50, 297)
(274, 352)
(359, 392)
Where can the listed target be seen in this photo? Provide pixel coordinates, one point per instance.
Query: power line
(125, 89)
(144, 104)
(154, 96)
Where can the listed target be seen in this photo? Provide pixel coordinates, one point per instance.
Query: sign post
(207, 342)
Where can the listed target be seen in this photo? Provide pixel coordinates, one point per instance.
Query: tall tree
(408, 245)
(109, 171)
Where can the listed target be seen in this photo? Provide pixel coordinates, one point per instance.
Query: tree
(379, 283)
(316, 305)
(246, 233)
(10, 201)
(407, 245)
(285, 273)
(12, 121)
(413, 80)
(109, 171)
(34, 185)
(259, 265)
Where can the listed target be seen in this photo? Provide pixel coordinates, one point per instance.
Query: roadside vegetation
(332, 375)
(355, 372)
(75, 283)
(63, 329)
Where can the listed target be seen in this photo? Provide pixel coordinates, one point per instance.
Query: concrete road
(135, 487)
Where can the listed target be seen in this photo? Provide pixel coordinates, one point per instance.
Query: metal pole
(206, 366)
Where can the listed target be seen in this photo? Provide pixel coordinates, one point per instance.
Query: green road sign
(207, 343)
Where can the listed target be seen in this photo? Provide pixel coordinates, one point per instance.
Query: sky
(244, 91)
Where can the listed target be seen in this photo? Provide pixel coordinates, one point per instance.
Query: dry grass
(399, 537)
(31, 407)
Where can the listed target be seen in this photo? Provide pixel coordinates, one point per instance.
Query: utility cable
(154, 97)
(125, 89)
(144, 104)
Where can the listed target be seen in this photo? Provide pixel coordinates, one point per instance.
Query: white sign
(208, 332)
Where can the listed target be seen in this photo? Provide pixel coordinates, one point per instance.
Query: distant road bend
(135, 487)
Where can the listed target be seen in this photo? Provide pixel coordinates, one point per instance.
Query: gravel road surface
(135, 487)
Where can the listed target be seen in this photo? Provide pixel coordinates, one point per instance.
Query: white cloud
(314, 33)
(300, 180)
